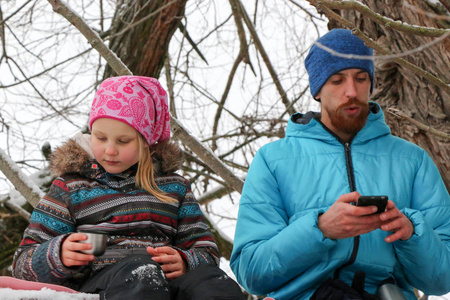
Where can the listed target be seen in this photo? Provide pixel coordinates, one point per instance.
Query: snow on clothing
(278, 247)
(88, 198)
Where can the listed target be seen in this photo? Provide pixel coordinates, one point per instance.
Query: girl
(119, 180)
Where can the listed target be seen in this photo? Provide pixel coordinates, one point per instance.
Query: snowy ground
(44, 294)
(441, 297)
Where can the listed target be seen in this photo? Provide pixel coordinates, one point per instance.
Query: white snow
(435, 2)
(43, 294)
(146, 271)
(445, 297)
(14, 167)
(17, 197)
(46, 294)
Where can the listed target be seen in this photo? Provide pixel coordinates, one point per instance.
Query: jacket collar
(93, 170)
(309, 126)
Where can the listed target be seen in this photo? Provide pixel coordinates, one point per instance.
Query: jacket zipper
(351, 182)
(349, 163)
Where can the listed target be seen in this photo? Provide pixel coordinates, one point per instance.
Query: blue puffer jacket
(278, 247)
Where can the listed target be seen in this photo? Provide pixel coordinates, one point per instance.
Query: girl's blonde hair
(145, 177)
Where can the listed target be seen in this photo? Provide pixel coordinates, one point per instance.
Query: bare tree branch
(191, 42)
(224, 97)
(173, 111)
(20, 181)
(2, 21)
(387, 22)
(92, 37)
(399, 114)
(45, 71)
(14, 207)
(243, 56)
(266, 59)
(445, 5)
(207, 156)
(388, 56)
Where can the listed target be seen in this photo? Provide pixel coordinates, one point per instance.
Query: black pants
(139, 277)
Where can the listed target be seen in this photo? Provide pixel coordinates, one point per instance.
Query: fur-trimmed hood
(76, 152)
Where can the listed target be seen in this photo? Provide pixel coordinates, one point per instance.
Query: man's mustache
(352, 101)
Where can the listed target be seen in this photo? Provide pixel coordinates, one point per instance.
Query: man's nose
(350, 88)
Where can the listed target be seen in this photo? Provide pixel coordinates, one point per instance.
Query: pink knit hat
(138, 101)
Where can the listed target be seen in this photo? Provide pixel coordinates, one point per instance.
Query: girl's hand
(170, 260)
(395, 221)
(70, 255)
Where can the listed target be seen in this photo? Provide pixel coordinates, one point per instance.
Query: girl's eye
(101, 138)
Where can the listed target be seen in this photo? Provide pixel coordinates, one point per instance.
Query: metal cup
(390, 291)
(98, 241)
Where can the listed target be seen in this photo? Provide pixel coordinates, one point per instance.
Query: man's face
(345, 102)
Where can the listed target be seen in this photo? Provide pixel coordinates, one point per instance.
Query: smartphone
(378, 201)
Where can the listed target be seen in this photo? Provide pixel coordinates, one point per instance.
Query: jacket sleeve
(269, 249)
(425, 257)
(194, 240)
(38, 256)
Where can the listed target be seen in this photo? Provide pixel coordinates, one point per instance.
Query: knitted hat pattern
(321, 64)
(138, 101)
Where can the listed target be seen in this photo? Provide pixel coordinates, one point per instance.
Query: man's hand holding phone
(379, 201)
(342, 220)
(393, 219)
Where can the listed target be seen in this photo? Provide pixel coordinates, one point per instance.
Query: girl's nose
(111, 150)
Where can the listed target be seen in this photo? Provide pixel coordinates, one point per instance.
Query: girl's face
(115, 145)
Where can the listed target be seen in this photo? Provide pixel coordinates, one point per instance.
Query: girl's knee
(138, 277)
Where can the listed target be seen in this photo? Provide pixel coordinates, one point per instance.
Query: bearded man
(298, 224)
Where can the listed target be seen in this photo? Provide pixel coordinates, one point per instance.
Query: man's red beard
(349, 124)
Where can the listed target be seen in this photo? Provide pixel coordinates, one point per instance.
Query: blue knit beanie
(321, 64)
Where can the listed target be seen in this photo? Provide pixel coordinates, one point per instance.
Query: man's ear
(317, 96)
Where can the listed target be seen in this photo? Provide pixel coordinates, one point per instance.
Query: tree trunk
(143, 46)
(399, 88)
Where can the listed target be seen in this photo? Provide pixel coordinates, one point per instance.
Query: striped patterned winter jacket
(85, 197)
